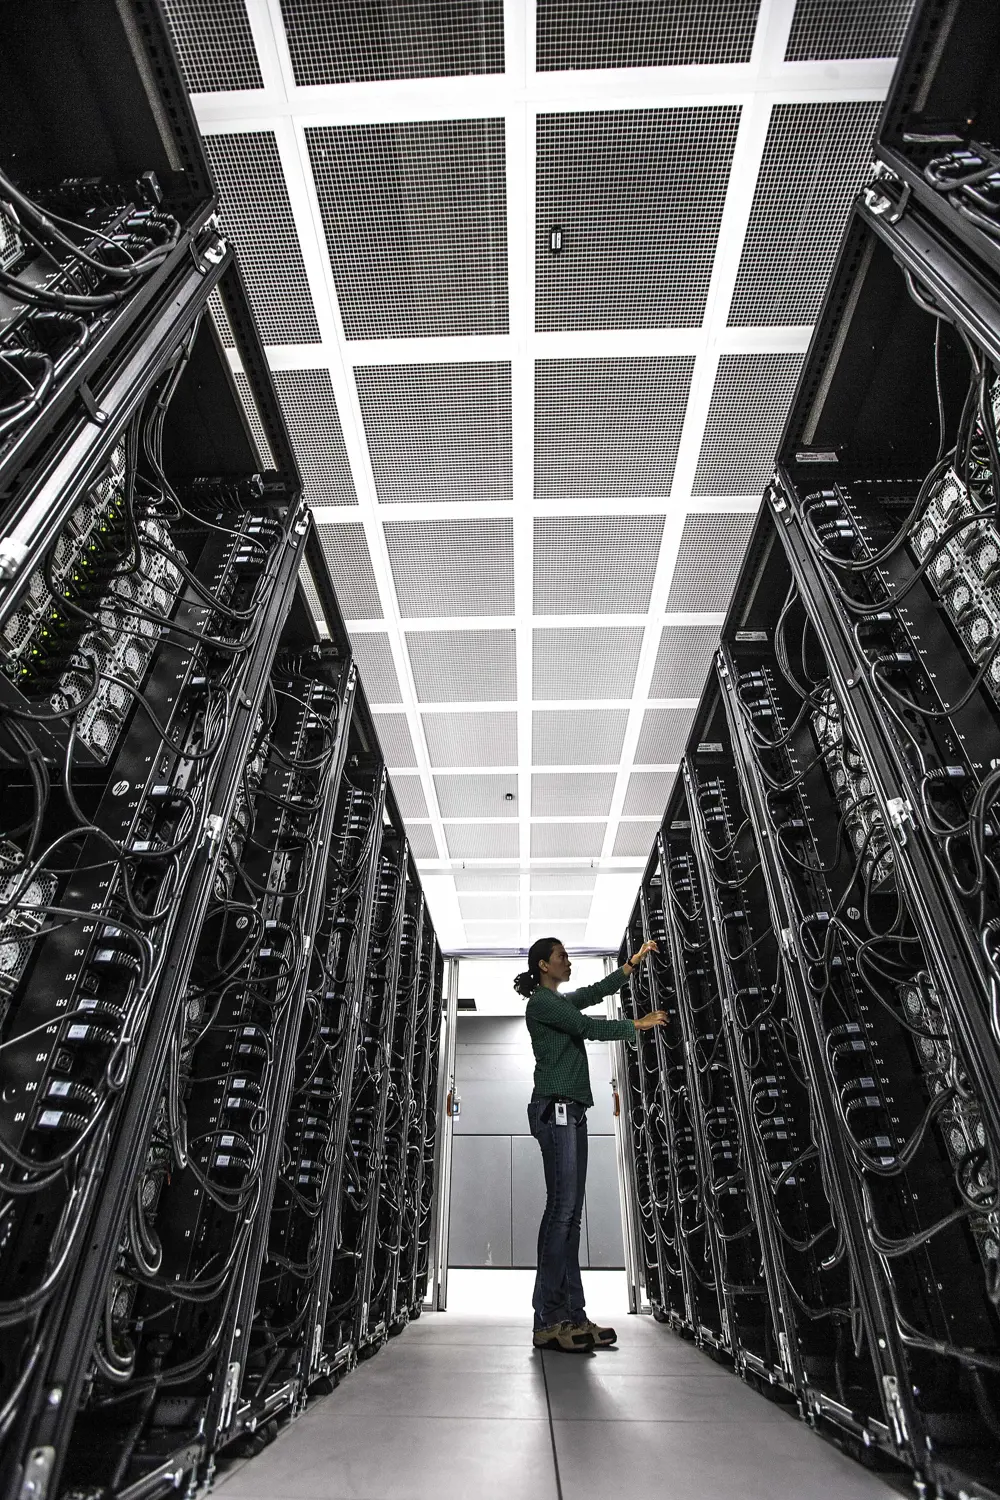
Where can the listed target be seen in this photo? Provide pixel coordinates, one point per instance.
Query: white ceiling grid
(535, 474)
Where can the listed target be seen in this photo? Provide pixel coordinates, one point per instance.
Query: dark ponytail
(540, 952)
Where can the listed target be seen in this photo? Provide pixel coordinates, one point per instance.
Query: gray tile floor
(461, 1408)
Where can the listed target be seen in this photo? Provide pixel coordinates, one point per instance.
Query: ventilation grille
(353, 41)
(410, 797)
(567, 840)
(814, 162)
(472, 739)
(438, 432)
(559, 908)
(264, 455)
(310, 409)
(346, 551)
(750, 402)
(257, 216)
(580, 737)
(394, 739)
(823, 29)
(214, 45)
(482, 840)
(463, 666)
(643, 33)
(684, 656)
(648, 792)
(634, 840)
(476, 796)
(563, 880)
(434, 193)
(571, 794)
(663, 736)
(483, 908)
(423, 844)
(638, 195)
(452, 567)
(708, 563)
(487, 880)
(373, 655)
(608, 427)
(585, 662)
(595, 564)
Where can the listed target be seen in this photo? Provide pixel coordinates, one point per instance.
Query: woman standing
(557, 1118)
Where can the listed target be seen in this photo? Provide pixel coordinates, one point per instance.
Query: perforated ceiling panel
(563, 880)
(595, 564)
(394, 737)
(608, 427)
(465, 796)
(434, 194)
(585, 662)
(560, 908)
(582, 737)
(684, 656)
(708, 561)
(352, 41)
(638, 197)
(643, 33)
(472, 739)
(423, 844)
(566, 840)
(847, 28)
(257, 214)
(815, 160)
(214, 44)
(647, 793)
(452, 567)
(572, 794)
(634, 839)
(482, 906)
(378, 673)
(481, 840)
(346, 551)
(438, 432)
(663, 736)
(487, 880)
(307, 400)
(463, 666)
(750, 402)
(409, 795)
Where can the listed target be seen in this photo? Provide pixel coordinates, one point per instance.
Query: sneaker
(565, 1336)
(603, 1337)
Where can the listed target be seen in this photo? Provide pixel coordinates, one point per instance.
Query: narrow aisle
(460, 1406)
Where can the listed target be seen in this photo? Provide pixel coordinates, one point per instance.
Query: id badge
(560, 1112)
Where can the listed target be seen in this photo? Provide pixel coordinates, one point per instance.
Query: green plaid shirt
(558, 1032)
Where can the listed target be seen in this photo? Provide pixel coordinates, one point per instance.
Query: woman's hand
(655, 1018)
(637, 958)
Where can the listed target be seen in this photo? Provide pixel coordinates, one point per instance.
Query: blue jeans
(558, 1294)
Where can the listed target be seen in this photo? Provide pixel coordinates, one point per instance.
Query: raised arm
(591, 993)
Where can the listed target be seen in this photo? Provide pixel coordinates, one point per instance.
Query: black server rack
(825, 886)
(220, 989)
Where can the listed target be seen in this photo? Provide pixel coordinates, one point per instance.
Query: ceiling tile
(708, 562)
(663, 736)
(648, 792)
(485, 906)
(409, 795)
(487, 880)
(345, 549)
(828, 29)
(394, 738)
(415, 216)
(480, 796)
(373, 655)
(257, 216)
(585, 661)
(460, 567)
(638, 195)
(438, 432)
(578, 736)
(746, 417)
(683, 657)
(563, 879)
(310, 410)
(354, 41)
(556, 907)
(472, 739)
(573, 934)
(422, 840)
(576, 34)
(595, 564)
(608, 427)
(815, 160)
(493, 934)
(566, 840)
(572, 793)
(634, 840)
(482, 840)
(463, 666)
(214, 44)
